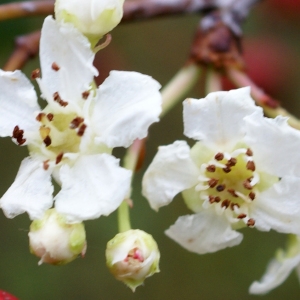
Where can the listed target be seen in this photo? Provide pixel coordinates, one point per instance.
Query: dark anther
(211, 199)
(18, 135)
(39, 117)
(225, 203)
(81, 130)
(219, 156)
(46, 165)
(220, 187)
(250, 165)
(59, 158)
(247, 185)
(211, 168)
(227, 169)
(232, 192)
(76, 122)
(212, 182)
(231, 162)
(57, 99)
(35, 74)
(249, 152)
(217, 199)
(50, 117)
(85, 95)
(232, 205)
(47, 141)
(252, 196)
(251, 222)
(55, 67)
(241, 216)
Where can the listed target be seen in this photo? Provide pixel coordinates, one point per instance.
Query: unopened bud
(132, 256)
(55, 241)
(93, 18)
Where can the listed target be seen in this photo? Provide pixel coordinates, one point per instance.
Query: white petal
(127, 104)
(18, 103)
(70, 51)
(204, 232)
(217, 120)
(278, 207)
(96, 185)
(275, 145)
(31, 191)
(277, 272)
(171, 171)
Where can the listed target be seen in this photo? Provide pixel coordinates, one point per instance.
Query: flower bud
(55, 241)
(132, 256)
(93, 18)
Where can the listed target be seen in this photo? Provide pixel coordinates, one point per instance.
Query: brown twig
(26, 9)
(27, 46)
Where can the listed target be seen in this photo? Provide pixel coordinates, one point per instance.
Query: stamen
(239, 151)
(55, 67)
(252, 196)
(211, 199)
(249, 152)
(247, 185)
(211, 168)
(225, 203)
(59, 158)
(47, 141)
(241, 216)
(227, 169)
(85, 95)
(234, 205)
(221, 187)
(250, 165)
(81, 130)
(50, 117)
(212, 182)
(219, 156)
(57, 99)
(76, 122)
(46, 165)
(250, 222)
(231, 162)
(232, 192)
(35, 74)
(241, 195)
(18, 135)
(39, 117)
(255, 179)
(217, 199)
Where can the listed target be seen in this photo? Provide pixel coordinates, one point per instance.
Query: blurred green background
(158, 48)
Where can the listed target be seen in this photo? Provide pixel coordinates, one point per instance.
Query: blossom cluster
(243, 169)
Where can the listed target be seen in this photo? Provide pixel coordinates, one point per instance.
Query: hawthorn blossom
(279, 267)
(73, 136)
(243, 171)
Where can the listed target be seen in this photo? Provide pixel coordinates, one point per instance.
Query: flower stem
(178, 87)
(130, 163)
(213, 81)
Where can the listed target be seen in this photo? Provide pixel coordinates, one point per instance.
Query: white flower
(132, 256)
(55, 241)
(243, 171)
(279, 268)
(73, 136)
(94, 18)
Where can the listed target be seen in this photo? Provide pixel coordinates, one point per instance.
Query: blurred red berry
(6, 296)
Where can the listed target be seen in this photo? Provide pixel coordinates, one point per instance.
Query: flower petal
(31, 191)
(171, 171)
(203, 233)
(276, 273)
(18, 103)
(278, 207)
(217, 120)
(127, 104)
(66, 62)
(275, 145)
(96, 185)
